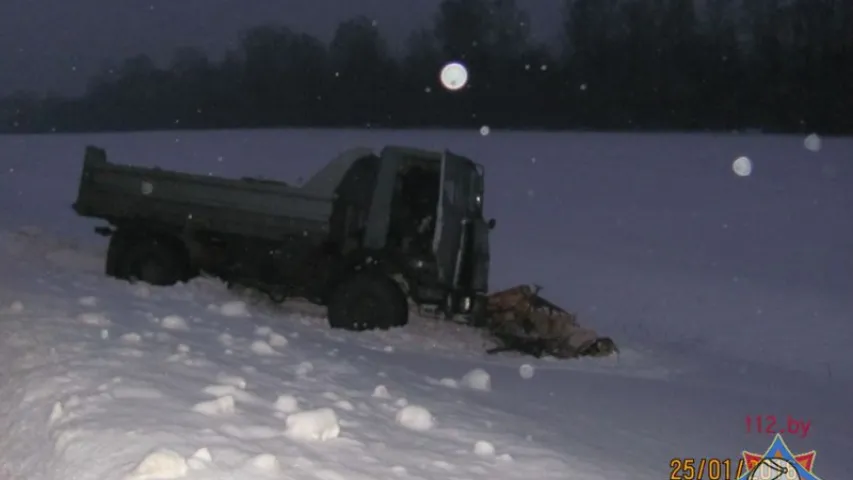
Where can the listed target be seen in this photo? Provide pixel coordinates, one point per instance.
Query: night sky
(56, 45)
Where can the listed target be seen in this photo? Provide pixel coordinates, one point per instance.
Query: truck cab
(425, 219)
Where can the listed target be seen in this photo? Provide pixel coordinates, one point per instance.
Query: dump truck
(370, 236)
(367, 234)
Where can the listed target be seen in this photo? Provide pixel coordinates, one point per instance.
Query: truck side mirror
(492, 223)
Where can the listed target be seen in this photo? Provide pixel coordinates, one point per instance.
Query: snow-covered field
(729, 296)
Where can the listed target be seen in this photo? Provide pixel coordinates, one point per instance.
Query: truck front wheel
(368, 302)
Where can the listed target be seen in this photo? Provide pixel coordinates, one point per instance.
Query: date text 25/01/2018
(705, 468)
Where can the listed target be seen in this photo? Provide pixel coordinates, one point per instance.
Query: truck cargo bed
(248, 207)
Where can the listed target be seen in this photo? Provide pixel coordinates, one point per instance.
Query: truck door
(454, 192)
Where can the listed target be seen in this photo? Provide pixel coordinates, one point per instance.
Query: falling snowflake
(454, 76)
(742, 166)
(812, 142)
(484, 130)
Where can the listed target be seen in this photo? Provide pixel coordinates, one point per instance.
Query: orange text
(705, 468)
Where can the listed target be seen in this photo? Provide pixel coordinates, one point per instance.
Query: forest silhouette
(771, 65)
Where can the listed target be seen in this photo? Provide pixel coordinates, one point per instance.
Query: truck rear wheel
(147, 259)
(368, 302)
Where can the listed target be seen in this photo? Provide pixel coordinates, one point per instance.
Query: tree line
(770, 65)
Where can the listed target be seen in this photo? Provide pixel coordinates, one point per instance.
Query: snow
(234, 308)
(161, 464)
(484, 448)
(277, 340)
(728, 297)
(174, 322)
(219, 406)
(381, 391)
(477, 379)
(319, 424)
(261, 347)
(415, 417)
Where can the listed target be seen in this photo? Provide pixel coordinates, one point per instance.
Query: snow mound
(220, 390)
(88, 301)
(131, 338)
(226, 339)
(174, 322)
(160, 465)
(477, 379)
(484, 448)
(218, 406)
(320, 424)
(286, 404)
(415, 417)
(93, 318)
(260, 347)
(265, 462)
(381, 391)
(15, 307)
(449, 382)
(140, 290)
(234, 308)
(233, 380)
(200, 460)
(277, 340)
(56, 413)
(304, 368)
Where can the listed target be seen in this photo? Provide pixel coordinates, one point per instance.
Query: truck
(368, 236)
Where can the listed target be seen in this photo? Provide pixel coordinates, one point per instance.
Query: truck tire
(148, 259)
(368, 302)
(119, 241)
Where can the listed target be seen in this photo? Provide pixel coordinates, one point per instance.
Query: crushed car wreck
(367, 235)
(522, 321)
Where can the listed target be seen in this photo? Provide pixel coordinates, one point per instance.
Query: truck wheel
(368, 302)
(119, 242)
(153, 261)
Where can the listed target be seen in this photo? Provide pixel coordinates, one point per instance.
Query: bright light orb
(454, 76)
